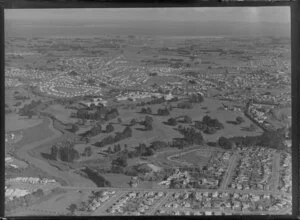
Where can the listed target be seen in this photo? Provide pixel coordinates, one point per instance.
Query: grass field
(14, 122)
(36, 133)
(196, 158)
(117, 180)
(61, 113)
(57, 204)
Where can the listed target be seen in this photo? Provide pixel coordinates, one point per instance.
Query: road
(272, 192)
(102, 209)
(229, 172)
(275, 171)
(159, 204)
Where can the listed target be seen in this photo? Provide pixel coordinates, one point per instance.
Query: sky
(256, 21)
(243, 14)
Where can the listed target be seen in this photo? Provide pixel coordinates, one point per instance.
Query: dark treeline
(157, 101)
(127, 132)
(97, 113)
(270, 139)
(64, 151)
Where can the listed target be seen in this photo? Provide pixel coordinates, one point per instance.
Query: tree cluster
(114, 149)
(196, 98)
(133, 122)
(226, 143)
(209, 125)
(152, 102)
(239, 120)
(97, 113)
(113, 113)
(28, 109)
(148, 123)
(18, 104)
(143, 150)
(172, 121)
(127, 132)
(64, 151)
(147, 110)
(185, 105)
(192, 136)
(21, 97)
(109, 128)
(95, 130)
(270, 139)
(163, 112)
(74, 128)
(187, 120)
(87, 151)
(118, 164)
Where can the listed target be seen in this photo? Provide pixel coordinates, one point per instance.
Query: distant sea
(18, 28)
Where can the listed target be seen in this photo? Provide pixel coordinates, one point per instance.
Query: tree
(54, 152)
(210, 130)
(74, 128)
(117, 148)
(226, 143)
(87, 151)
(239, 120)
(127, 131)
(222, 141)
(72, 208)
(109, 150)
(185, 105)
(148, 126)
(187, 119)
(118, 164)
(273, 139)
(159, 145)
(206, 119)
(133, 121)
(149, 110)
(119, 120)
(196, 98)
(172, 121)
(163, 112)
(109, 128)
(144, 110)
(148, 119)
(39, 193)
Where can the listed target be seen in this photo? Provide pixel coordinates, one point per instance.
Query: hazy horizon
(148, 21)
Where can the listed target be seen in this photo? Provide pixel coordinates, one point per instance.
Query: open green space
(61, 113)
